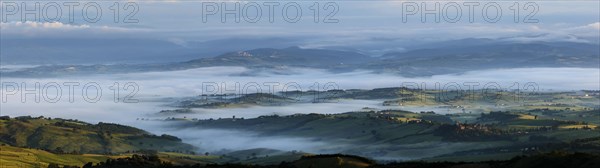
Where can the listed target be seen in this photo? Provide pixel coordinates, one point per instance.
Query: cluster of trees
(133, 161)
(100, 127)
(497, 116)
(153, 161)
(557, 159)
(362, 159)
(54, 165)
(470, 132)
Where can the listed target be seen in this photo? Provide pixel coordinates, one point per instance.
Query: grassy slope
(24, 157)
(68, 136)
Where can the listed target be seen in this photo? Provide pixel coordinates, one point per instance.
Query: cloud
(178, 41)
(214, 140)
(587, 33)
(594, 26)
(43, 25)
(59, 29)
(375, 39)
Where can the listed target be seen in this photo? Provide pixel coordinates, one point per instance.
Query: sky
(335, 23)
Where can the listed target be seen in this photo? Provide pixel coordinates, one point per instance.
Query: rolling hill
(71, 136)
(407, 135)
(253, 99)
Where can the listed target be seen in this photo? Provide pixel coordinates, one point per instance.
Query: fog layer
(158, 89)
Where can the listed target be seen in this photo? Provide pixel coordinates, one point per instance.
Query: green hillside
(71, 136)
(408, 136)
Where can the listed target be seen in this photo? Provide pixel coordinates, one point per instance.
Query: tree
(58, 150)
(88, 165)
(53, 165)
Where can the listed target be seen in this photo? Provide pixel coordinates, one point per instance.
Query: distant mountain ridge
(442, 58)
(489, 55)
(291, 56)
